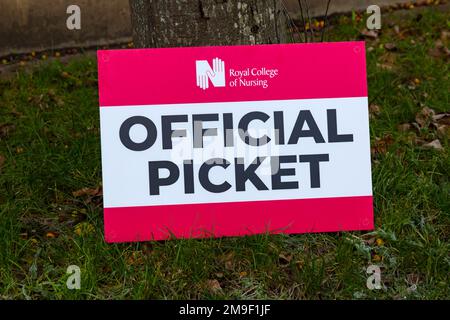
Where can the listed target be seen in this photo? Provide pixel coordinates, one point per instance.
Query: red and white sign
(234, 140)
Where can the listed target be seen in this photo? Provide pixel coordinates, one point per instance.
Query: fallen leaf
(418, 141)
(6, 129)
(387, 61)
(424, 117)
(299, 263)
(284, 258)
(372, 34)
(435, 52)
(87, 192)
(446, 51)
(51, 235)
(228, 260)
(380, 145)
(390, 46)
(413, 278)
(374, 110)
(442, 118)
(404, 127)
(135, 258)
(385, 66)
(443, 131)
(435, 144)
(213, 285)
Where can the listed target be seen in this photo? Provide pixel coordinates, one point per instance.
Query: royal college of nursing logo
(205, 73)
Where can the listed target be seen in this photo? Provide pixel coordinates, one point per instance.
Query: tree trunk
(174, 23)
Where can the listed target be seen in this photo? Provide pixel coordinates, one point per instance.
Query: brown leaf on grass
(439, 50)
(88, 192)
(228, 261)
(136, 258)
(285, 259)
(213, 286)
(51, 93)
(90, 195)
(6, 129)
(390, 46)
(445, 35)
(404, 127)
(381, 145)
(424, 117)
(374, 110)
(51, 235)
(443, 131)
(442, 119)
(435, 144)
(300, 263)
(370, 241)
(446, 51)
(435, 52)
(387, 61)
(418, 141)
(439, 44)
(385, 66)
(229, 265)
(371, 34)
(413, 278)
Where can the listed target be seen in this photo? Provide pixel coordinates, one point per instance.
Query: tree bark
(174, 23)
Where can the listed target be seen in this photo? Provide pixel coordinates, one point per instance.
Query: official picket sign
(234, 140)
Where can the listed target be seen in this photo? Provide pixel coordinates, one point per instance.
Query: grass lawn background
(51, 204)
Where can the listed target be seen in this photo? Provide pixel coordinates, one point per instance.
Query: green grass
(50, 141)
